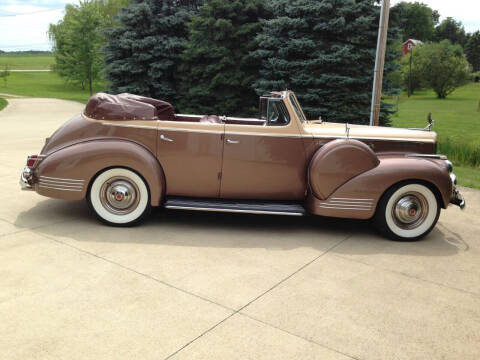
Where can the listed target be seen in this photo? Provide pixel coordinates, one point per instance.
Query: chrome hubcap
(410, 210)
(119, 195)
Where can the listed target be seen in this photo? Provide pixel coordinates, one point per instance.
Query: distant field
(455, 117)
(44, 84)
(3, 103)
(26, 61)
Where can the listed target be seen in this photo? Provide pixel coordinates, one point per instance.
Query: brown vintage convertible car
(127, 153)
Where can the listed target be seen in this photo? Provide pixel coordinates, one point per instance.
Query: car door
(190, 154)
(264, 161)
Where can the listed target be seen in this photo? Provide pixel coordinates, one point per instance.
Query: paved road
(191, 285)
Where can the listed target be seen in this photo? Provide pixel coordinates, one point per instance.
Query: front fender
(337, 162)
(367, 188)
(67, 173)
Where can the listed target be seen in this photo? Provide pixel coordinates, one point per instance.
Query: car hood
(361, 132)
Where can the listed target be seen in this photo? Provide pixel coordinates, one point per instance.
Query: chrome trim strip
(372, 138)
(346, 205)
(61, 179)
(192, 130)
(189, 115)
(428, 156)
(79, 187)
(264, 134)
(233, 210)
(61, 182)
(244, 119)
(131, 126)
(344, 208)
(349, 202)
(57, 188)
(352, 199)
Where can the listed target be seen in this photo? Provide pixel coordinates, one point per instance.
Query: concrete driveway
(189, 285)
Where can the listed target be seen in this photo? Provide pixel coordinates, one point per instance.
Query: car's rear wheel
(407, 212)
(119, 197)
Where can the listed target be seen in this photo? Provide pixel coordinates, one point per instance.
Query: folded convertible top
(126, 106)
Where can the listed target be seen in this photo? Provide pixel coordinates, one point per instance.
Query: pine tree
(472, 50)
(143, 52)
(325, 52)
(218, 69)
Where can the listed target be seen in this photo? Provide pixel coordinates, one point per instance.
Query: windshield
(298, 108)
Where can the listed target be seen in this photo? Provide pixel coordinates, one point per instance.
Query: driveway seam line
(296, 272)
(409, 276)
(258, 297)
(298, 336)
(139, 273)
(29, 229)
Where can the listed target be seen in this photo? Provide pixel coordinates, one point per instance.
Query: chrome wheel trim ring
(410, 210)
(119, 195)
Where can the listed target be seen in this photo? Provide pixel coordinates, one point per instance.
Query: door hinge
(219, 176)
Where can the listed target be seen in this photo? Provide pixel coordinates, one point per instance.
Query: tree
(325, 52)
(110, 9)
(4, 74)
(416, 20)
(472, 50)
(143, 52)
(217, 67)
(442, 66)
(77, 44)
(452, 30)
(411, 72)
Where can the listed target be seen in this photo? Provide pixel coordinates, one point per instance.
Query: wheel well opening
(428, 184)
(117, 167)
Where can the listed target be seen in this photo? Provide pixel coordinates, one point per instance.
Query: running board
(236, 206)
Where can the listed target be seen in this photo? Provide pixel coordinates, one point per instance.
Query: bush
(442, 67)
(459, 152)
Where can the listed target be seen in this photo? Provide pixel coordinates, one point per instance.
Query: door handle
(233, 141)
(164, 138)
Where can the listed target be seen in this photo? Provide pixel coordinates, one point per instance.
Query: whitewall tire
(407, 212)
(119, 197)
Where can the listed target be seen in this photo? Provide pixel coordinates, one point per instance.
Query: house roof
(415, 42)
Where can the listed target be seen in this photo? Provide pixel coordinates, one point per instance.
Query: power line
(31, 13)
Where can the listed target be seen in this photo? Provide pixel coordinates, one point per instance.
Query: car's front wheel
(407, 212)
(119, 197)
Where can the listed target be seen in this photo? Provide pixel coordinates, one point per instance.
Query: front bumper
(457, 198)
(26, 178)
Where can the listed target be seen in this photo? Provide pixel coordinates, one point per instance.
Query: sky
(24, 23)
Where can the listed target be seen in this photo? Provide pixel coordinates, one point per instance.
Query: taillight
(31, 160)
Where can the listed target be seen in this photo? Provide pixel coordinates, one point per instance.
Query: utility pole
(410, 74)
(379, 63)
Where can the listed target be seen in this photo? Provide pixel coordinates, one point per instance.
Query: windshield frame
(297, 107)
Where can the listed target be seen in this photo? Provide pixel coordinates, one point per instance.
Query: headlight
(449, 165)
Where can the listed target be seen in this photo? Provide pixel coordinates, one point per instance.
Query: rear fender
(67, 173)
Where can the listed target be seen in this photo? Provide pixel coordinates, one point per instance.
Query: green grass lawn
(44, 84)
(26, 61)
(455, 117)
(457, 122)
(3, 103)
(468, 176)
